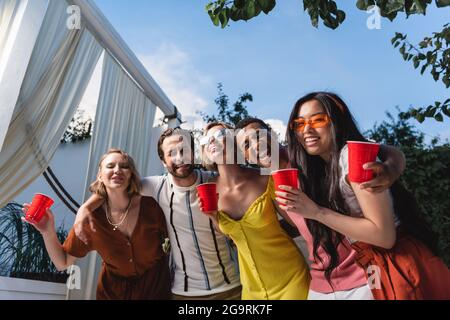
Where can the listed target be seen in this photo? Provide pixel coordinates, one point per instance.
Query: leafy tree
(222, 11)
(226, 113)
(432, 52)
(427, 173)
(79, 129)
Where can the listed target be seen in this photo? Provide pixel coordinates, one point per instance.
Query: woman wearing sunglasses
(271, 265)
(250, 146)
(347, 227)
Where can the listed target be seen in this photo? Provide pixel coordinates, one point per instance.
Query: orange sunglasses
(317, 121)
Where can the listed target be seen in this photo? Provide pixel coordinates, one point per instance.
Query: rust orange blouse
(133, 268)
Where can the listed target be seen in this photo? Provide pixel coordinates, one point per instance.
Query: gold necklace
(124, 216)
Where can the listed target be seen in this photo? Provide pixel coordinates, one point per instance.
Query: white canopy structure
(48, 51)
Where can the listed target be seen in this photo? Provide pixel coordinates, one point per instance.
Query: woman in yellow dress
(271, 265)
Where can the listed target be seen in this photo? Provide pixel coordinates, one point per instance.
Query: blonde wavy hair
(134, 188)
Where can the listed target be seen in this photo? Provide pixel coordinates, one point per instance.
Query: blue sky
(278, 58)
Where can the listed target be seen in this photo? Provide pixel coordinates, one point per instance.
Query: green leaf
(240, 4)
(323, 11)
(332, 6)
(250, 10)
(223, 17)
(235, 14)
(420, 6)
(433, 59)
(446, 82)
(442, 3)
(435, 74)
(430, 112)
(439, 117)
(446, 111)
(340, 16)
(424, 67)
(423, 44)
(391, 7)
(215, 19)
(267, 5)
(362, 4)
(420, 118)
(314, 15)
(258, 10)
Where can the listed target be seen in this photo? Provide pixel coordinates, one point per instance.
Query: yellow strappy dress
(271, 265)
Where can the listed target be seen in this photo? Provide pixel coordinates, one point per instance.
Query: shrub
(22, 248)
(427, 173)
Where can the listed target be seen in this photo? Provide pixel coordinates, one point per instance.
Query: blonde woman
(130, 232)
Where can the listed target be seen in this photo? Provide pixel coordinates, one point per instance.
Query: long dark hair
(320, 179)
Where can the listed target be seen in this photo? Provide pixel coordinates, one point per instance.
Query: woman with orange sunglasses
(354, 235)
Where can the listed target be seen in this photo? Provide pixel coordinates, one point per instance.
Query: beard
(181, 175)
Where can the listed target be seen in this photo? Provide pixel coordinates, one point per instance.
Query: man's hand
(387, 172)
(383, 177)
(83, 221)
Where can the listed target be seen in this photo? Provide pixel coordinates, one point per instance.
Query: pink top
(348, 275)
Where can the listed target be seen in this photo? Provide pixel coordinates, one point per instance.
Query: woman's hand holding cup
(46, 225)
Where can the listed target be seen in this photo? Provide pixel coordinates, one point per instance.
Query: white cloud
(175, 73)
(278, 126)
(173, 70)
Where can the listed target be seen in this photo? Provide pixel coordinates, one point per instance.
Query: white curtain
(8, 9)
(20, 22)
(59, 70)
(124, 120)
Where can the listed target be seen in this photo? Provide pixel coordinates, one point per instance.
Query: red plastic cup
(208, 194)
(38, 207)
(286, 177)
(360, 153)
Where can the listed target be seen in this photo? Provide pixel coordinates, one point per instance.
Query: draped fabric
(57, 73)
(59, 70)
(8, 10)
(124, 120)
(20, 22)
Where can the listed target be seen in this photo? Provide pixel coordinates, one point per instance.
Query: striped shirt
(203, 260)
